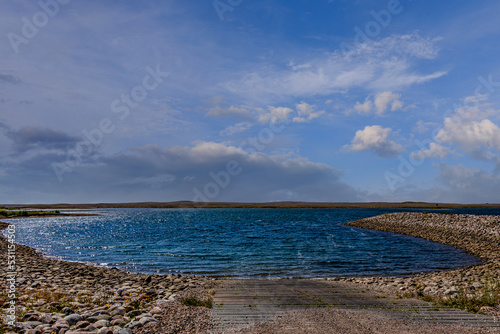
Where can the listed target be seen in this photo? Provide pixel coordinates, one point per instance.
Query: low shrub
(194, 301)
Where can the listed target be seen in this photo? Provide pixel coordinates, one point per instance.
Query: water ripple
(237, 242)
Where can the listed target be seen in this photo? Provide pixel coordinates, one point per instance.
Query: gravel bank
(477, 235)
(67, 298)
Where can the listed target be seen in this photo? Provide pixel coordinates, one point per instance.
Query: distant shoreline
(267, 205)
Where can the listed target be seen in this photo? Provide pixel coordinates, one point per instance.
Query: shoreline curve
(474, 234)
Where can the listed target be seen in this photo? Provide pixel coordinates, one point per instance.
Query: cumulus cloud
(470, 129)
(364, 107)
(306, 113)
(434, 151)
(382, 102)
(396, 105)
(384, 99)
(472, 135)
(374, 138)
(275, 115)
(303, 113)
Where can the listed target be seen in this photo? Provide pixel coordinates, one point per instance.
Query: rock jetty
(477, 235)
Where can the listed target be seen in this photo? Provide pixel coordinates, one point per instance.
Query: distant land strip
(267, 205)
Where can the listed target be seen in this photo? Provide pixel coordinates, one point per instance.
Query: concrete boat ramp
(243, 302)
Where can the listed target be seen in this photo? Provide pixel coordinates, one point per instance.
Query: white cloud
(295, 67)
(365, 107)
(382, 102)
(379, 65)
(469, 129)
(203, 151)
(471, 135)
(476, 99)
(303, 113)
(374, 138)
(231, 111)
(472, 130)
(396, 105)
(237, 128)
(410, 44)
(275, 115)
(474, 108)
(306, 113)
(384, 99)
(434, 151)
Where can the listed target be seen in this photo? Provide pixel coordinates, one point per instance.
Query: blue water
(238, 242)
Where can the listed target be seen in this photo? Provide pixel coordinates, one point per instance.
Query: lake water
(238, 242)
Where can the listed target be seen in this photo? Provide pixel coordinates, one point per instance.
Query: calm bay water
(238, 242)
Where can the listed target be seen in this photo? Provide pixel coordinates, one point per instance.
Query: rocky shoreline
(68, 298)
(477, 235)
(63, 297)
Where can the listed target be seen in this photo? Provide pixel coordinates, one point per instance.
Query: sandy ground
(323, 321)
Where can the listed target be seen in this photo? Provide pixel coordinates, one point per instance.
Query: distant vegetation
(271, 205)
(7, 213)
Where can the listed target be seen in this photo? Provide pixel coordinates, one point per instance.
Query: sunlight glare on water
(237, 242)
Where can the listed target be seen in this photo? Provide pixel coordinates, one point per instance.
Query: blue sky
(336, 100)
